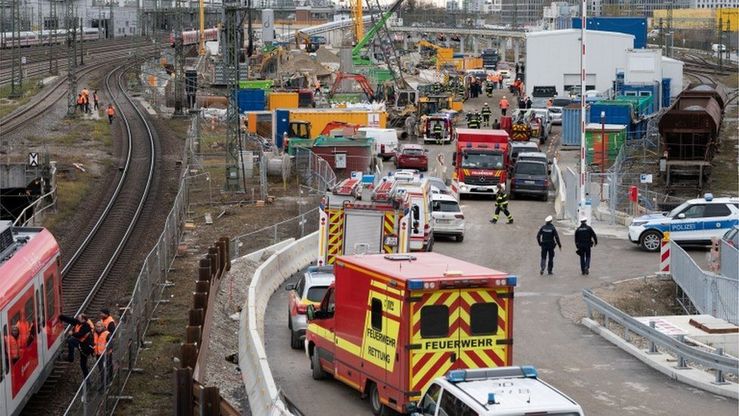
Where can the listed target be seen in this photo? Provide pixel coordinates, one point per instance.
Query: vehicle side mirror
(290, 287)
(681, 216)
(412, 409)
(310, 312)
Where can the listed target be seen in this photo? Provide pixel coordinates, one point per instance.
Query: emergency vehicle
(480, 162)
(359, 216)
(392, 323)
(418, 188)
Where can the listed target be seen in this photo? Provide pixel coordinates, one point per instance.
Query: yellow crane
(358, 21)
(201, 37)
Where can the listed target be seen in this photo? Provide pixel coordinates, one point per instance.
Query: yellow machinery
(358, 21)
(443, 55)
(201, 38)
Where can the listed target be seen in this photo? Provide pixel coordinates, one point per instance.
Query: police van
(695, 221)
(502, 391)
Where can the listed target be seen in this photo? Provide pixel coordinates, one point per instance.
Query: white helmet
(548, 218)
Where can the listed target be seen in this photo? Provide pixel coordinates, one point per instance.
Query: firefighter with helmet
(501, 204)
(474, 121)
(486, 111)
(438, 132)
(489, 88)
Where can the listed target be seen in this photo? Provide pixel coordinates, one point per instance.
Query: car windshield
(445, 206)
(537, 169)
(677, 210)
(315, 293)
(413, 152)
(482, 160)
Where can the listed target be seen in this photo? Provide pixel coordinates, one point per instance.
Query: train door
(21, 355)
(52, 326)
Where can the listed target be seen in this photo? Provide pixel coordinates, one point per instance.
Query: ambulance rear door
(363, 231)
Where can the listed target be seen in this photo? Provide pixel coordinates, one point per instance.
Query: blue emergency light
(456, 376)
(708, 197)
(415, 285)
(529, 371)
(512, 280)
(491, 398)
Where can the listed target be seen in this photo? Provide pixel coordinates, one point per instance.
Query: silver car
(555, 111)
(309, 290)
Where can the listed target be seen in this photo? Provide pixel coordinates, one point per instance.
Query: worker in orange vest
(80, 102)
(101, 337)
(80, 338)
(13, 344)
(549, 103)
(86, 99)
(503, 104)
(111, 113)
(107, 320)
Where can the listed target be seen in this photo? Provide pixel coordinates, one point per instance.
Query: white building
(553, 59)
(713, 4)
(648, 66)
(558, 15)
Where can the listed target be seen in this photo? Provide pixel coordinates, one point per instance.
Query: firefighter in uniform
(501, 204)
(547, 239)
(486, 111)
(438, 132)
(489, 88)
(474, 121)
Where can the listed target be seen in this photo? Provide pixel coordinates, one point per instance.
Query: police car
(502, 391)
(694, 221)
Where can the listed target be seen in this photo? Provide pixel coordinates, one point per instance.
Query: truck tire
(295, 342)
(315, 365)
(378, 409)
(651, 240)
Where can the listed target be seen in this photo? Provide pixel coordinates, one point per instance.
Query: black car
(530, 178)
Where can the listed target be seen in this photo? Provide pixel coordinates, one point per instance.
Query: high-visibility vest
(14, 350)
(80, 100)
(111, 111)
(79, 326)
(101, 340)
(504, 103)
(107, 321)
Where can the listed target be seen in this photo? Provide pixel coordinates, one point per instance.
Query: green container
(599, 154)
(296, 143)
(640, 105)
(379, 75)
(257, 84)
(342, 141)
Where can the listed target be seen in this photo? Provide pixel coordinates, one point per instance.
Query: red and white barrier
(664, 255)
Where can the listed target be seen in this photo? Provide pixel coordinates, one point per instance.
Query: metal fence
(313, 170)
(729, 261)
(296, 227)
(103, 388)
(709, 293)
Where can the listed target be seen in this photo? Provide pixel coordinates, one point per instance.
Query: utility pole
(179, 63)
(662, 36)
(669, 29)
(71, 25)
(232, 27)
(53, 26)
(720, 43)
(111, 25)
(16, 70)
(81, 37)
(583, 209)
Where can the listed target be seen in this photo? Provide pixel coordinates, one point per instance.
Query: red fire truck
(363, 217)
(392, 323)
(480, 162)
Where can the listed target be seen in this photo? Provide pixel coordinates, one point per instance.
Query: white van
(385, 141)
(502, 391)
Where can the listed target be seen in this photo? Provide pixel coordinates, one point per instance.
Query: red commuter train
(30, 304)
(192, 37)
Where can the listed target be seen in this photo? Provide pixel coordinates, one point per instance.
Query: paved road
(602, 378)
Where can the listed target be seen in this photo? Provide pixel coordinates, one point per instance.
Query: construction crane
(358, 20)
(367, 38)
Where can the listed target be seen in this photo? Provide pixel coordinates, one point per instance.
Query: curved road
(601, 377)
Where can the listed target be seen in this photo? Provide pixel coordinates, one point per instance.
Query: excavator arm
(377, 26)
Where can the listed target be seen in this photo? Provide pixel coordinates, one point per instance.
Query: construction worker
(95, 100)
(549, 103)
(107, 320)
(80, 102)
(80, 338)
(547, 238)
(13, 344)
(101, 337)
(438, 132)
(494, 78)
(86, 99)
(111, 113)
(501, 204)
(473, 122)
(486, 111)
(503, 104)
(585, 239)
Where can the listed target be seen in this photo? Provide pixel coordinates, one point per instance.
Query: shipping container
(318, 119)
(571, 125)
(259, 122)
(345, 155)
(251, 100)
(636, 26)
(642, 91)
(257, 84)
(643, 105)
(603, 143)
(615, 112)
(285, 100)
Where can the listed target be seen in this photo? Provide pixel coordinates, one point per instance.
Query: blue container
(636, 26)
(251, 100)
(615, 113)
(282, 126)
(571, 125)
(644, 90)
(666, 85)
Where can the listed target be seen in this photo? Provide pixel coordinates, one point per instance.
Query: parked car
(412, 156)
(530, 178)
(536, 156)
(499, 391)
(309, 290)
(439, 186)
(520, 147)
(694, 221)
(732, 237)
(555, 111)
(447, 215)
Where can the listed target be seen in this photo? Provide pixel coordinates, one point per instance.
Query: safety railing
(729, 261)
(677, 347)
(296, 227)
(709, 293)
(31, 215)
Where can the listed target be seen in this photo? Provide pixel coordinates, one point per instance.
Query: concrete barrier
(264, 397)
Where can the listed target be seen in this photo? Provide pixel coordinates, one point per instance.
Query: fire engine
(359, 216)
(480, 162)
(392, 323)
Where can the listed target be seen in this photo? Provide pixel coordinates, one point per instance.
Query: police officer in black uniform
(548, 239)
(585, 239)
(501, 204)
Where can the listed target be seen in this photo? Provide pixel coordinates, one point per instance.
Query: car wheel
(460, 238)
(651, 240)
(374, 397)
(295, 342)
(315, 365)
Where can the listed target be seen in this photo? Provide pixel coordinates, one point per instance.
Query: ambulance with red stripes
(361, 215)
(418, 188)
(392, 323)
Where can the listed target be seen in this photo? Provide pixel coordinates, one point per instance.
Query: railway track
(93, 272)
(38, 67)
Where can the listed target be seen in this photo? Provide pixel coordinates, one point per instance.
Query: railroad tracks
(98, 267)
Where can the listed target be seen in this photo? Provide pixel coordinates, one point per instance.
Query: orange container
(284, 100)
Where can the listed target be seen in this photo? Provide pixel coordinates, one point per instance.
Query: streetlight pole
(603, 144)
(583, 82)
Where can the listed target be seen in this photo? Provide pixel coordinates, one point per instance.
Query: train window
(50, 298)
(30, 316)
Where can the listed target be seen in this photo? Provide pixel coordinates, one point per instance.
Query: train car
(690, 128)
(191, 37)
(30, 304)
(45, 37)
(707, 90)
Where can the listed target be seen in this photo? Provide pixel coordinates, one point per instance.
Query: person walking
(503, 104)
(101, 337)
(585, 239)
(95, 100)
(486, 111)
(438, 132)
(410, 126)
(80, 102)
(86, 99)
(548, 239)
(489, 88)
(80, 339)
(501, 204)
(528, 102)
(111, 113)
